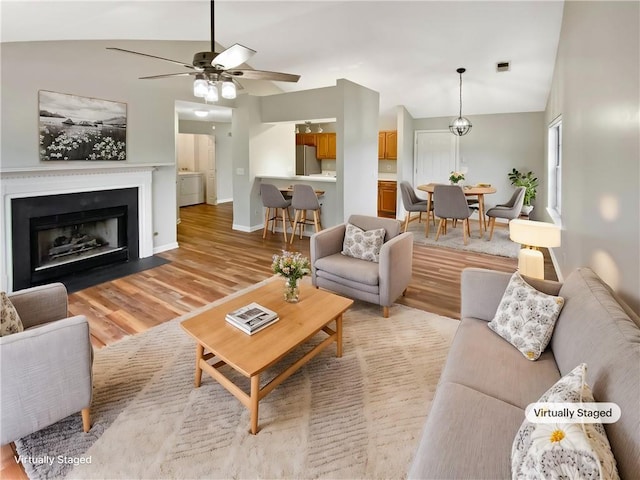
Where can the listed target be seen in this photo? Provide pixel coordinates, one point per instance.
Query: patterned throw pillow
(9, 319)
(526, 317)
(361, 244)
(563, 450)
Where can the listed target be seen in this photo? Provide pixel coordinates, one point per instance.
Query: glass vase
(291, 290)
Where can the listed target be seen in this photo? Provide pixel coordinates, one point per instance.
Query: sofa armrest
(38, 305)
(46, 376)
(396, 260)
(482, 290)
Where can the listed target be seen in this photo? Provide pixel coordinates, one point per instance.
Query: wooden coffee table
(251, 355)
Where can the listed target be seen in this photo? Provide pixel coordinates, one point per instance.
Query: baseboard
(164, 248)
(224, 200)
(242, 228)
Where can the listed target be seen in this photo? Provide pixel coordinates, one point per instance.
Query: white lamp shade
(212, 93)
(228, 90)
(534, 234)
(200, 87)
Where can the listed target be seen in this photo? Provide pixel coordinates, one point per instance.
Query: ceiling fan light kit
(460, 126)
(211, 68)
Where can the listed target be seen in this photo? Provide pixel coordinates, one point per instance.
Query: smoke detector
(503, 66)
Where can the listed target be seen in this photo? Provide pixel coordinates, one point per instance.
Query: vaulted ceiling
(407, 51)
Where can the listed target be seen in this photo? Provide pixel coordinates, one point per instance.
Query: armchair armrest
(482, 290)
(396, 260)
(327, 242)
(43, 304)
(46, 376)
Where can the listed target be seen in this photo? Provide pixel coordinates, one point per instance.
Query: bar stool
(272, 198)
(305, 198)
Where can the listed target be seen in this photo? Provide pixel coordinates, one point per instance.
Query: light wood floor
(214, 261)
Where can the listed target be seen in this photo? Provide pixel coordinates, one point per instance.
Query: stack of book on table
(251, 318)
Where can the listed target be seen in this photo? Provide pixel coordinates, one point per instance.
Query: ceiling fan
(211, 68)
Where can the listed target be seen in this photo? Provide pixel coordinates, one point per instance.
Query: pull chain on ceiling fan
(212, 69)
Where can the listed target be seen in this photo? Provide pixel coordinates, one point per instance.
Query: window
(554, 160)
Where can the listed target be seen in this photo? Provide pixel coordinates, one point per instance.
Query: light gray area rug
(358, 416)
(499, 245)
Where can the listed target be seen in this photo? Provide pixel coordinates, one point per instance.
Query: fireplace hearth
(56, 236)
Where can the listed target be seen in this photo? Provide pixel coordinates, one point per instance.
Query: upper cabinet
(306, 139)
(326, 143)
(388, 145)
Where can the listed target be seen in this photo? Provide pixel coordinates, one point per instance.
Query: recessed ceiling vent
(503, 66)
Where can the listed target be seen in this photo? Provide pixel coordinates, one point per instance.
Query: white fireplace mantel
(23, 182)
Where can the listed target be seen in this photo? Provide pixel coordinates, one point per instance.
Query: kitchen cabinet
(388, 145)
(326, 144)
(306, 139)
(387, 194)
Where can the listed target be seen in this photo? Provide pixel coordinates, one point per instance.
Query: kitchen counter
(305, 178)
(387, 176)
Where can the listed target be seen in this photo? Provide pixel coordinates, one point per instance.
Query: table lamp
(533, 235)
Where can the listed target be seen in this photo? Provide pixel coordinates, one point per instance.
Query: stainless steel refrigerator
(307, 160)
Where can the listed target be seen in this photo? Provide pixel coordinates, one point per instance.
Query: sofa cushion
(10, 321)
(362, 244)
(467, 435)
(349, 268)
(556, 450)
(480, 359)
(526, 317)
(595, 329)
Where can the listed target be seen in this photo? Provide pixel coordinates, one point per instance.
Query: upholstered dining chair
(412, 203)
(450, 202)
(47, 367)
(304, 199)
(507, 211)
(272, 199)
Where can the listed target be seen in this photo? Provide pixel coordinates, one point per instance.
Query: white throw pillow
(9, 319)
(563, 450)
(526, 317)
(362, 244)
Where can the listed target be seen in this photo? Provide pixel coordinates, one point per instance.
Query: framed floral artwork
(81, 128)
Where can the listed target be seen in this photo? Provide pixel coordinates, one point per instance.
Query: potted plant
(528, 181)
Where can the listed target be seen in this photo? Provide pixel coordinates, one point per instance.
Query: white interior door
(435, 156)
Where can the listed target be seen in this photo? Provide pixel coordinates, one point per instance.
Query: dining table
(470, 191)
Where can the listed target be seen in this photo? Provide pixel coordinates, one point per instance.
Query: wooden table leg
(429, 200)
(339, 335)
(481, 219)
(255, 399)
(199, 355)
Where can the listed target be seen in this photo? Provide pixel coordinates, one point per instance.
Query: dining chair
(305, 199)
(450, 202)
(412, 203)
(272, 199)
(507, 211)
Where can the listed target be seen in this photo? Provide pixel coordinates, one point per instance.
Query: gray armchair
(46, 369)
(380, 283)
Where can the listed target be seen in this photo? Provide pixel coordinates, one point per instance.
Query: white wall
(404, 168)
(595, 88)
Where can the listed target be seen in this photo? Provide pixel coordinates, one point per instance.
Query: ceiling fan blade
(233, 56)
(168, 75)
(152, 56)
(250, 74)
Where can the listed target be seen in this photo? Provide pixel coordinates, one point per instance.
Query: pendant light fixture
(460, 126)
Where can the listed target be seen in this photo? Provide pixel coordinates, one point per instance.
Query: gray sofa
(486, 383)
(46, 369)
